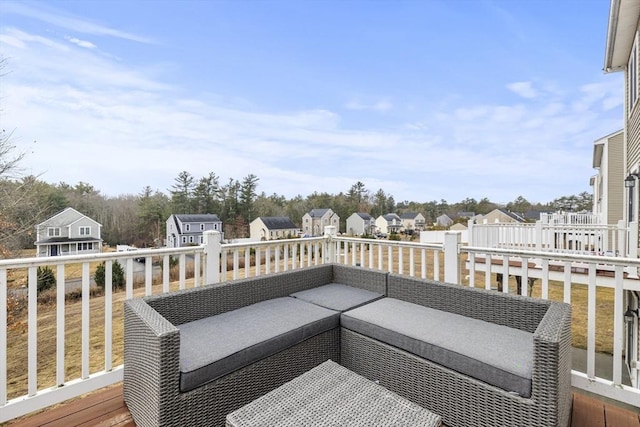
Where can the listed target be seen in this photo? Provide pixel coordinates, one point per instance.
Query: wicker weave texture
(331, 395)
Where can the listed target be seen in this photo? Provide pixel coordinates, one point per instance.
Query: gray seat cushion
(215, 346)
(336, 296)
(496, 354)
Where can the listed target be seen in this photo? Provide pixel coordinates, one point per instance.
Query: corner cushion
(216, 346)
(336, 296)
(496, 354)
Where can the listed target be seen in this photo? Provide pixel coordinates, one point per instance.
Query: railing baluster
(370, 247)
(567, 282)
(236, 263)
(148, 275)
(108, 318)
(472, 270)
(591, 322)
(412, 267)
(380, 256)
(267, 264)
(390, 258)
(400, 260)
(423, 256)
(247, 262)
(505, 274)
(183, 270)
(60, 320)
(286, 256)
(524, 280)
(166, 273)
(196, 269)
(32, 331)
(436, 265)
(278, 258)
(86, 320)
(545, 279)
(3, 336)
(618, 325)
(129, 284)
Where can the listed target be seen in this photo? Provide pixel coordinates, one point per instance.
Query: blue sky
(427, 100)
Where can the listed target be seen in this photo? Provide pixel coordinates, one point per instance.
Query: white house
(360, 223)
(314, 221)
(272, 227)
(412, 221)
(443, 221)
(188, 229)
(68, 233)
(388, 223)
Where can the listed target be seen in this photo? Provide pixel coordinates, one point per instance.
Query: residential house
(412, 221)
(443, 221)
(622, 51)
(188, 229)
(314, 221)
(360, 223)
(501, 215)
(388, 223)
(68, 233)
(273, 227)
(608, 184)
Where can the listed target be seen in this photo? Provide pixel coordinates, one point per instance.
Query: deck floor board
(107, 408)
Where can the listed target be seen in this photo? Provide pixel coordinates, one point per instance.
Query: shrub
(46, 279)
(394, 236)
(117, 276)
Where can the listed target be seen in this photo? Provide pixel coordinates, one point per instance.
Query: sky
(426, 100)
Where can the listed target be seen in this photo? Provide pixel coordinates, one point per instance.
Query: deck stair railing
(215, 262)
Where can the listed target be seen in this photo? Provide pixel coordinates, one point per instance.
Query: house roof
(463, 214)
(623, 19)
(513, 215)
(364, 216)
(318, 213)
(598, 147)
(390, 216)
(277, 222)
(197, 217)
(73, 216)
(409, 215)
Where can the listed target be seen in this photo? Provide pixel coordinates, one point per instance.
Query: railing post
(633, 247)
(212, 250)
(539, 235)
(451, 257)
(330, 254)
(470, 236)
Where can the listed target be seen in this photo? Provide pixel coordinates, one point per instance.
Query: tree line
(139, 219)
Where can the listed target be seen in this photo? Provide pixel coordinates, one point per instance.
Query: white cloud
(523, 89)
(97, 120)
(54, 17)
(81, 43)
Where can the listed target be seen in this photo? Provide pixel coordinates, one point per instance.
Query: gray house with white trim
(68, 232)
(188, 229)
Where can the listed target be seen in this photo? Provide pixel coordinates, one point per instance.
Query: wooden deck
(107, 408)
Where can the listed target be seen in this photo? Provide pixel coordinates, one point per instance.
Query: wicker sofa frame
(152, 346)
(460, 399)
(151, 369)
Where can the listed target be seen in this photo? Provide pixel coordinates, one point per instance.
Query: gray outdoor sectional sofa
(475, 357)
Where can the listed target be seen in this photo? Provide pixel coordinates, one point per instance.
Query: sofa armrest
(151, 363)
(551, 376)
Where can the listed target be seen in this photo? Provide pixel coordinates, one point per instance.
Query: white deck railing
(214, 262)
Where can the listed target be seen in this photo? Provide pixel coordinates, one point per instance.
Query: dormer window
(187, 227)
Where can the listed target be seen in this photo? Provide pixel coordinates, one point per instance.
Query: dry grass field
(17, 335)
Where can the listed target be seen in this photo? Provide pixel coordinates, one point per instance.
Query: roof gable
(277, 222)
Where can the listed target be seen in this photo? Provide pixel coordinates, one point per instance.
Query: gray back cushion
(336, 296)
(218, 345)
(496, 354)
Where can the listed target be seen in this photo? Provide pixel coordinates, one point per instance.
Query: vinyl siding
(615, 172)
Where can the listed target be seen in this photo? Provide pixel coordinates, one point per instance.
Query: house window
(201, 240)
(184, 239)
(201, 227)
(632, 72)
(85, 246)
(187, 227)
(190, 239)
(53, 232)
(85, 231)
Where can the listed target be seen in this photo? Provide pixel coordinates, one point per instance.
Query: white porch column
(452, 257)
(212, 250)
(330, 247)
